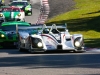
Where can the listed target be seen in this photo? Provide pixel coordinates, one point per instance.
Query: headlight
(36, 42)
(19, 15)
(2, 35)
(29, 9)
(77, 44)
(39, 44)
(1, 15)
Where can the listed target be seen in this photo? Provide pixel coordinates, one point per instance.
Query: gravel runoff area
(60, 6)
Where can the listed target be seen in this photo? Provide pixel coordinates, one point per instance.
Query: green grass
(84, 19)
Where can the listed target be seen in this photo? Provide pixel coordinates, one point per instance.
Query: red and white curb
(44, 12)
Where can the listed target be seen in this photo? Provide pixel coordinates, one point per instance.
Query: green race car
(24, 5)
(8, 36)
(8, 13)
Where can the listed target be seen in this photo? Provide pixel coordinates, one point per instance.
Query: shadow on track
(16, 51)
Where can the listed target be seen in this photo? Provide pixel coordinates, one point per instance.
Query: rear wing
(57, 26)
(42, 27)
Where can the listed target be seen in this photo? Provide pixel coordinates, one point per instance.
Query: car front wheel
(30, 50)
(19, 48)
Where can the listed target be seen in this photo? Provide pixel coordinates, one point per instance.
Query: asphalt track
(13, 62)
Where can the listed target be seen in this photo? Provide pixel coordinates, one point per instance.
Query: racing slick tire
(19, 48)
(29, 13)
(79, 51)
(30, 50)
(1, 21)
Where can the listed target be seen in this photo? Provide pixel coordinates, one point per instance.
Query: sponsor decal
(50, 39)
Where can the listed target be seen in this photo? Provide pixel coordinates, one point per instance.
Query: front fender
(77, 35)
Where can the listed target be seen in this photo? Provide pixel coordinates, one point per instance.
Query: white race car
(43, 38)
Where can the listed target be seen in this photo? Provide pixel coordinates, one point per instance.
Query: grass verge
(84, 19)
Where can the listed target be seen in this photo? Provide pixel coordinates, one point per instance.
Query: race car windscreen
(19, 3)
(11, 10)
(6, 9)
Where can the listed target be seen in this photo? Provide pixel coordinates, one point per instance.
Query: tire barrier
(44, 12)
